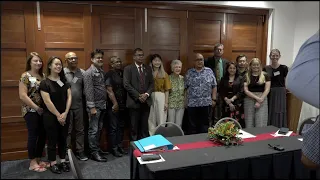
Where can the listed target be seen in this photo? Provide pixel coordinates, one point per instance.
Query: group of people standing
(53, 103)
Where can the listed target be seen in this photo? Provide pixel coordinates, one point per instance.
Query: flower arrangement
(225, 133)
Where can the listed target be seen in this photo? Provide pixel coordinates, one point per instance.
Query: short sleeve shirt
(58, 94)
(32, 84)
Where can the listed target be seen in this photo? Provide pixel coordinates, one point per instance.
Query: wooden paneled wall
(175, 31)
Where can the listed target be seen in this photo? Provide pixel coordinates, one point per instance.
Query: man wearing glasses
(201, 87)
(218, 65)
(139, 83)
(96, 97)
(74, 76)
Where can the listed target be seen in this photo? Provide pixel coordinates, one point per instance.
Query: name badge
(32, 79)
(276, 73)
(60, 83)
(75, 79)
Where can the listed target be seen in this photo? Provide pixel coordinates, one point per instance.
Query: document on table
(300, 139)
(150, 162)
(243, 134)
(277, 134)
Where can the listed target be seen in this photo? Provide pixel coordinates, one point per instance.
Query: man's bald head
(198, 56)
(72, 60)
(70, 54)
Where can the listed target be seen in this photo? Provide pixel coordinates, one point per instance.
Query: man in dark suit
(218, 66)
(139, 83)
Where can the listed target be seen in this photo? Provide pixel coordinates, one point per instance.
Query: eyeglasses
(73, 58)
(139, 55)
(98, 57)
(198, 59)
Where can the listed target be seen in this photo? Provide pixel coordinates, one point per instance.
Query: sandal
(44, 164)
(37, 169)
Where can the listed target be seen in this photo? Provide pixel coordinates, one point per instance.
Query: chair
(169, 129)
(306, 124)
(74, 165)
(226, 119)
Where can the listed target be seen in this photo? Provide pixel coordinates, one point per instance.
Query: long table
(249, 160)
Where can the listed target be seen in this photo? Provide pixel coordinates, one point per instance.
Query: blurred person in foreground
(303, 81)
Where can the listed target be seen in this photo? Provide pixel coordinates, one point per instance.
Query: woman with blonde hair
(176, 94)
(162, 85)
(32, 110)
(256, 87)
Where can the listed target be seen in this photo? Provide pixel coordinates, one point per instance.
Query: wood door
(204, 31)
(17, 41)
(65, 28)
(166, 35)
(245, 37)
(117, 31)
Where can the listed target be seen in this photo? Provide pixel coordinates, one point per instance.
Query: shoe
(82, 157)
(67, 158)
(122, 151)
(64, 167)
(116, 153)
(55, 169)
(98, 157)
(103, 153)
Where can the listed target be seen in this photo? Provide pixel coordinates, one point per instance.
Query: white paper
(150, 162)
(277, 135)
(147, 148)
(245, 134)
(175, 148)
(300, 139)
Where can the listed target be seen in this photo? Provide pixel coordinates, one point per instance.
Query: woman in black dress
(277, 96)
(56, 94)
(231, 90)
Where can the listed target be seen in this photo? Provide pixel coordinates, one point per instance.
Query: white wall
(282, 23)
(307, 23)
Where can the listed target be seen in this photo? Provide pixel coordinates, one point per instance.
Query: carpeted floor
(115, 168)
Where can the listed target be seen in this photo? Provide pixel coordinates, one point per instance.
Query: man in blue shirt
(201, 87)
(303, 82)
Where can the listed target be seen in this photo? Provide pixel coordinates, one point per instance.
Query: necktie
(218, 71)
(141, 80)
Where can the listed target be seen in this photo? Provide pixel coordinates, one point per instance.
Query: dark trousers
(57, 134)
(36, 134)
(116, 127)
(95, 130)
(199, 118)
(76, 124)
(139, 122)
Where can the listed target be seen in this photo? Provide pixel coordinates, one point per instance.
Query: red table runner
(208, 143)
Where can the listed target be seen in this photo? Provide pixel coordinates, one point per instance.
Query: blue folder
(153, 143)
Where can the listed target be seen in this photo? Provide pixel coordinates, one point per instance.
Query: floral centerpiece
(225, 133)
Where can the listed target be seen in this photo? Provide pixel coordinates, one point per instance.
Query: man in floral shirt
(201, 86)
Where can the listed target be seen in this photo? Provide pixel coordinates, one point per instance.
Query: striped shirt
(94, 88)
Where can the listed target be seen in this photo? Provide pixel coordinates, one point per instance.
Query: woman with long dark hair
(29, 94)
(231, 90)
(56, 94)
(162, 85)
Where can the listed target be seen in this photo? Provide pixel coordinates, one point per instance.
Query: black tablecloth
(250, 160)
